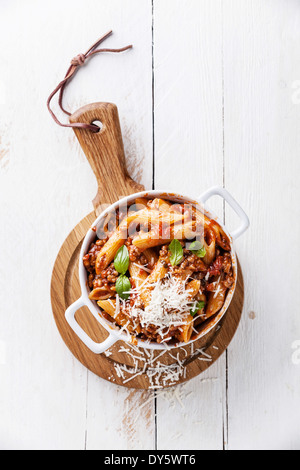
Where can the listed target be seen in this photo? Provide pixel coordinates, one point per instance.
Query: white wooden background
(225, 110)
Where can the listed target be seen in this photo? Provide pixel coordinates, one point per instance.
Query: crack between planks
(86, 409)
(153, 185)
(225, 410)
(153, 102)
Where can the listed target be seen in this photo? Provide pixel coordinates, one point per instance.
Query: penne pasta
(158, 237)
(215, 302)
(154, 217)
(121, 319)
(144, 241)
(185, 332)
(151, 255)
(193, 287)
(109, 250)
(157, 274)
(109, 306)
(210, 250)
(160, 205)
(221, 237)
(101, 293)
(160, 286)
(141, 201)
(138, 274)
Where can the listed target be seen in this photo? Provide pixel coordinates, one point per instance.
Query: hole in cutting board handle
(99, 124)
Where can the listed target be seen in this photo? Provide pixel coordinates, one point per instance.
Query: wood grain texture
(188, 129)
(105, 153)
(65, 289)
(220, 83)
(262, 141)
(61, 404)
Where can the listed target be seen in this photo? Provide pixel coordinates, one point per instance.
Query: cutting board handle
(105, 153)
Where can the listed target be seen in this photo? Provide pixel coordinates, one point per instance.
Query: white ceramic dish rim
(114, 331)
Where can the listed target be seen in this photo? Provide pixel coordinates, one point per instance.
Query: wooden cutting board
(123, 364)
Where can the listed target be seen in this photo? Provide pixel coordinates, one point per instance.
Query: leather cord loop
(77, 62)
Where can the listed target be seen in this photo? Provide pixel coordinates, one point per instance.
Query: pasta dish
(159, 269)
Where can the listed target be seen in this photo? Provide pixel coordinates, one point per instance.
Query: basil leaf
(121, 260)
(197, 248)
(198, 307)
(123, 287)
(176, 251)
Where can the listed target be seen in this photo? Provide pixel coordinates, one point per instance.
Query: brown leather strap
(76, 62)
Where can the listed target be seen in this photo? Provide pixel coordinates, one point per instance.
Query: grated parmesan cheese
(159, 375)
(169, 306)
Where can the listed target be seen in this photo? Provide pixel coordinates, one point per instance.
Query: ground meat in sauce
(219, 271)
(109, 276)
(89, 260)
(222, 265)
(190, 262)
(134, 253)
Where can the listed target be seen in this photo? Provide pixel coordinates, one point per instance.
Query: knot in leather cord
(76, 62)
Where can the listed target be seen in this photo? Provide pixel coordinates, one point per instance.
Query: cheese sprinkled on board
(159, 375)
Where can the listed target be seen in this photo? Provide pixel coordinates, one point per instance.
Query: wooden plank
(262, 141)
(188, 112)
(49, 399)
(119, 418)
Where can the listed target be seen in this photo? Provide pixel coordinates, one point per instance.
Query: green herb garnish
(121, 260)
(176, 251)
(121, 263)
(199, 306)
(198, 249)
(123, 287)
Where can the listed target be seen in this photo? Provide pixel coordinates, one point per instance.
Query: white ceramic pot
(113, 330)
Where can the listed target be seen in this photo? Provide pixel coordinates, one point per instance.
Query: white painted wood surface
(224, 109)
